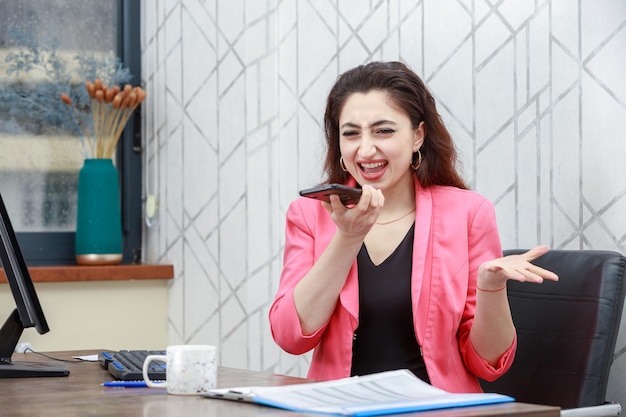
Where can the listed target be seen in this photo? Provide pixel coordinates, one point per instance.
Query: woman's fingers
(520, 268)
(534, 271)
(535, 252)
(357, 219)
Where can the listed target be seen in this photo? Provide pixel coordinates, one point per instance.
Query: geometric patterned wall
(533, 91)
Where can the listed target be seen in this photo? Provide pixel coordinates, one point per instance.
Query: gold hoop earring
(417, 164)
(343, 165)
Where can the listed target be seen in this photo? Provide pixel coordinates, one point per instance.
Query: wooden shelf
(97, 273)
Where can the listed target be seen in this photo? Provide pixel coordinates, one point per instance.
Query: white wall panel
(533, 92)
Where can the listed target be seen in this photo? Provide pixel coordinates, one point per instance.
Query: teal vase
(99, 217)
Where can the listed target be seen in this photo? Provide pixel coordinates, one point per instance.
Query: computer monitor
(28, 311)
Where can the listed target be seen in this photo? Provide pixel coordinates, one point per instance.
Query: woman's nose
(366, 147)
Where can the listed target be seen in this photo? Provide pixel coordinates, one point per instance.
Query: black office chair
(566, 332)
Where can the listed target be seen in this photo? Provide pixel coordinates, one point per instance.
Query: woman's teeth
(372, 166)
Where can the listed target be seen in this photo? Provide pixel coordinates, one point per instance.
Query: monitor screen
(28, 311)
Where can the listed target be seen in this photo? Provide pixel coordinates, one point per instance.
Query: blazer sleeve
(298, 259)
(483, 245)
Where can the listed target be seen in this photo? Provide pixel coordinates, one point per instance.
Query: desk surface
(81, 394)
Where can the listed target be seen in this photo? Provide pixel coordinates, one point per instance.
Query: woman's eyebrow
(375, 124)
(382, 122)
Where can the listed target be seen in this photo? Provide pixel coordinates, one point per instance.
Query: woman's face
(377, 140)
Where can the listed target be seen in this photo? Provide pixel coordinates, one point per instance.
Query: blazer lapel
(421, 254)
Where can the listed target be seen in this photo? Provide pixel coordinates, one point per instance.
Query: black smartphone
(347, 195)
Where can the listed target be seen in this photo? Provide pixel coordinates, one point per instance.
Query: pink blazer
(455, 231)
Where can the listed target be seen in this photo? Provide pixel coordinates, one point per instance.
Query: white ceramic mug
(190, 369)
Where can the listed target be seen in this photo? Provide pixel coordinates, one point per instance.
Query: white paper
(87, 358)
(360, 396)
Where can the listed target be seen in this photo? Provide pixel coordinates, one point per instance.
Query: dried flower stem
(111, 108)
(87, 136)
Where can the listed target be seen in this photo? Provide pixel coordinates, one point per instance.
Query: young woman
(412, 276)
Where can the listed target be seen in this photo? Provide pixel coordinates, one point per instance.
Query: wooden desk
(81, 394)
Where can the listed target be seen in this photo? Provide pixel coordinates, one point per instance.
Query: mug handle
(144, 370)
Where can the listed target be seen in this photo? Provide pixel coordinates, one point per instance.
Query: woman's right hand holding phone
(316, 295)
(356, 221)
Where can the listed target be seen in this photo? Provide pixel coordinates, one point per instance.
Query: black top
(385, 339)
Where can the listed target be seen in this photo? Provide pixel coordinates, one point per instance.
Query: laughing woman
(412, 276)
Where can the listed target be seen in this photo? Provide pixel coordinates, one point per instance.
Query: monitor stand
(10, 334)
(32, 369)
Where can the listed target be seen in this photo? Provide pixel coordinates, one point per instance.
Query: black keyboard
(126, 365)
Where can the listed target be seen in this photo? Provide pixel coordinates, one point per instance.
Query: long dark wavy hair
(409, 94)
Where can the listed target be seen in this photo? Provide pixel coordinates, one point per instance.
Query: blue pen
(126, 384)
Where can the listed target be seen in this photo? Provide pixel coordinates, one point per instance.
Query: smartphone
(347, 195)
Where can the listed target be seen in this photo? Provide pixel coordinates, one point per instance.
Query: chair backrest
(566, 330)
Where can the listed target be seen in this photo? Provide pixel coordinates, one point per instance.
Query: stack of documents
(383, 393)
